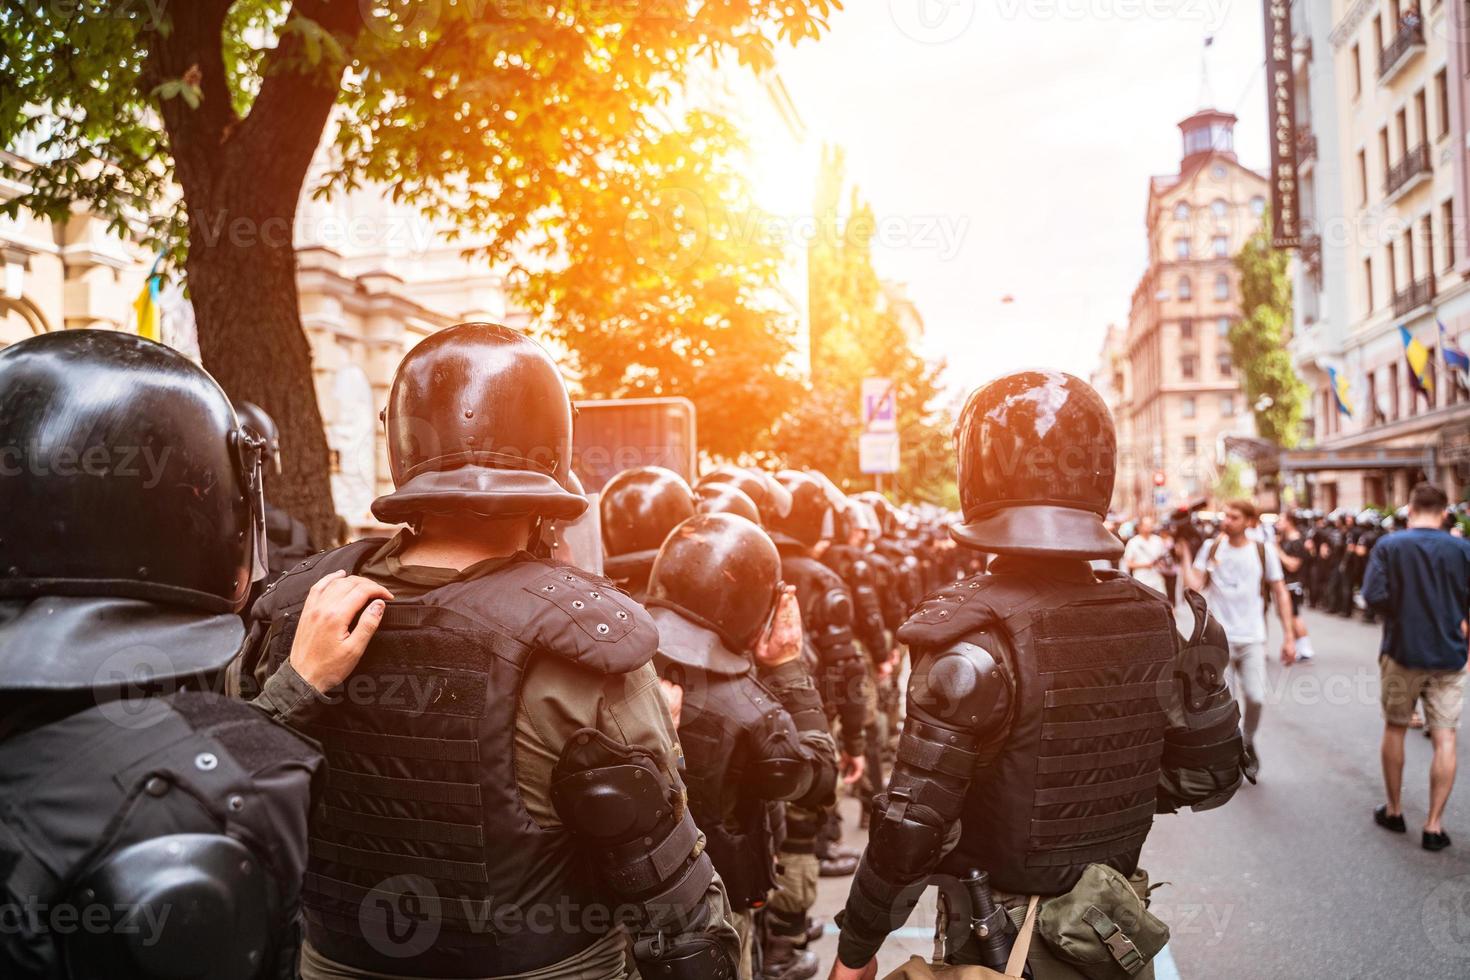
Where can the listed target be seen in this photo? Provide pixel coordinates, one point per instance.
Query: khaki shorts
(1442, 691)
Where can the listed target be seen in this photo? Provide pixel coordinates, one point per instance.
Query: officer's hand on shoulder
(327, 645)
(782, 642)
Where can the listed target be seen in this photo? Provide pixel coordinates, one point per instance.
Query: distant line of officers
(447, 753)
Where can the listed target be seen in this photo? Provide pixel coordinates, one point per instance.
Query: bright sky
(1006, 147)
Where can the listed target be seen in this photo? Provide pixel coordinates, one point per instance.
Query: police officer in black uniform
(167, 823)
(287, 542)
(1051, 711)
(503, 789)
(827, 619)
(750, 722)
(639, 507)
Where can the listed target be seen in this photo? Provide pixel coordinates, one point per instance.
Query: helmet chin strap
(542, 538)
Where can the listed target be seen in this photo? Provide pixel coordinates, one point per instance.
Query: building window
(1188, 368)
(1181, 248)
(1368, 282)
(1191, 445)
(1357, 71)
(1219, 209)
(1186, 289)
(1221, 246)
(1442, 103)
(1181, 211)
(1447, 229)
(1393, 391)
(1258, 206)
(1227, 406)
(1375, 412)
(1223, 366)
(1186, 329)
(1186, 407)
(1222, 286)
(1222, 326)
(1393, 269)
(1363, 178)
(1383, 152)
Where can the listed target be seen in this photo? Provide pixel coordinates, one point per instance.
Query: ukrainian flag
(150, 317)
(1340, 392)
(1417, 355)
(1454, 358)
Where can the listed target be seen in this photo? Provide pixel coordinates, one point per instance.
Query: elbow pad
(779, 769)
(640, 835)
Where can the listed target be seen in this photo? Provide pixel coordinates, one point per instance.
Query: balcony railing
(1408, 171)
(1306, 146)
(1415, 295)
(1409, 39)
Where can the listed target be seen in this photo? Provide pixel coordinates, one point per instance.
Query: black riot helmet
(1037, 455)
(726, 498)
(810, 517)
(721, 571)
(257, 420)
(639, 507)
(479, 422)
(126, 475)
(761, 487)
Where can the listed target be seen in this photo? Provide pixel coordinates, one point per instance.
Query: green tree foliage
(858, 330)
(192, 125)
(659, 279)
(1258, 341)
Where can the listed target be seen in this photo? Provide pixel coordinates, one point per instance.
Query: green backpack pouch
(1102, 926)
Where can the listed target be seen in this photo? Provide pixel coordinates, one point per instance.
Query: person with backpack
(1237, 576)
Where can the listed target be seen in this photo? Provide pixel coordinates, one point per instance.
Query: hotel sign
(1281, 107)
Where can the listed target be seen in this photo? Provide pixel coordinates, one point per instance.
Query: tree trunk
(243, 285)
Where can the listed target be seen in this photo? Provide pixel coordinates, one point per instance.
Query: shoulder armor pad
(585, 618)
(290, 589)
(950, 613)
(961, 685)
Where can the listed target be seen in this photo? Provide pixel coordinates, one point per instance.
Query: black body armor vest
(423, 859)
(1076, 779)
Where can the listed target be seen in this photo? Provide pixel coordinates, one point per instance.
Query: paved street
(1292, 879)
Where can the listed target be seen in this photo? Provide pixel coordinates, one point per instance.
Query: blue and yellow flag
(1454, 358)
(1417, 356)
(1340, 392)
(150, 317)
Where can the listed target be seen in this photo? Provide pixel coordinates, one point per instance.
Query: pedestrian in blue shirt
(1419, 579)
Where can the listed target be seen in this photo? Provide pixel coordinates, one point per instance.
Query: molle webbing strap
(1066, 696)
(395, 788)
(430, 831)
(1084, 761)
(1096, 822)
(398, 864)
(1097, 791)
(635, 868)
(1102, 726)
(401, 746)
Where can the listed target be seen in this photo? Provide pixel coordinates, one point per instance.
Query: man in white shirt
(1141, 556)
(1235, 574)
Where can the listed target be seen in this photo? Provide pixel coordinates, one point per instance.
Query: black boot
(784, 955)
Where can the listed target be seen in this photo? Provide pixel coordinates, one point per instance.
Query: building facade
(1384, 100)
(1180, 393)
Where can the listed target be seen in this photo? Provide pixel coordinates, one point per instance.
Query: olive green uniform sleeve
(558, 698)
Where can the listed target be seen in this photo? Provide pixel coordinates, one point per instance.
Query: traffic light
(1158, 478)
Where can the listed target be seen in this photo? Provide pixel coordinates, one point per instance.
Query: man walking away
(1419, 581)
(1235, 574)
